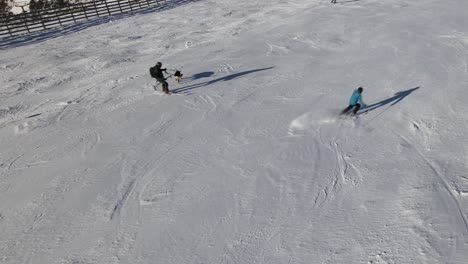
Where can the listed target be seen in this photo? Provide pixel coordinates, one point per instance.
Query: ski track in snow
(122, 201)
(442, 180)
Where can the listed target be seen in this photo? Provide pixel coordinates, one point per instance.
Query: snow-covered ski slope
(252, 165)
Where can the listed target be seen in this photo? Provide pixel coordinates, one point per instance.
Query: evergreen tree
(35, 5)
(60, 3)
(5, 6)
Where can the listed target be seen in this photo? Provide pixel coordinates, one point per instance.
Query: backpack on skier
(152, 71)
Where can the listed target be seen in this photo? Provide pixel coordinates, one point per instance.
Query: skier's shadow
(350, 1)
(392, 100)
(208, 74)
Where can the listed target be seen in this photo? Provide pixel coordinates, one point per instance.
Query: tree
(5, 6)
(35, 5)
(61, 3)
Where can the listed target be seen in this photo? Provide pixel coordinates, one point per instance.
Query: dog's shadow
(201, 75)
(210, 74)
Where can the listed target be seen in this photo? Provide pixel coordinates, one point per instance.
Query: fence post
(95, 8)
(72, 13)
(120, 7)
(6, 18)
(108, 10)
(84, 11)
(57, 15)
(130, 4)
(25, 20)
(40, 18)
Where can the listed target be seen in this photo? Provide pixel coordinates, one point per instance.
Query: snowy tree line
(5, 6)
(35, 5)
(43, 4)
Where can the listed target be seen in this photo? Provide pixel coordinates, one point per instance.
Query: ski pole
(157, 85)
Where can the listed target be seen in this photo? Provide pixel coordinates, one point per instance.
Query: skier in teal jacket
(355, 101)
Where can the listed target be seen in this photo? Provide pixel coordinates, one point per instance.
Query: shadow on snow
(349, 1)
(207, 74)
(396, 98)
(201, 75)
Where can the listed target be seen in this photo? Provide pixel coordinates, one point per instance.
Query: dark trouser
(356, 108)
(165, 85)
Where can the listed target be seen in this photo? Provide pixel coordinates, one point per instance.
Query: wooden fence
(13, 25)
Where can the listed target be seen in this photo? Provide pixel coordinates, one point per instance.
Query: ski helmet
(159, 64)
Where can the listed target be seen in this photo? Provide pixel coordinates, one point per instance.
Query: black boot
(346, 109)
(356, 108)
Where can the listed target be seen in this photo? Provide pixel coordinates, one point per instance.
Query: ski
(172, 93)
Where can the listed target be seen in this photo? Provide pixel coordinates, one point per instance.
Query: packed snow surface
(249, 162)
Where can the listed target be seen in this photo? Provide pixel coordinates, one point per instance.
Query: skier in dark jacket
(355, 101)
(160, 77)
